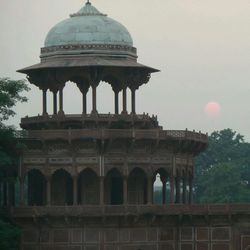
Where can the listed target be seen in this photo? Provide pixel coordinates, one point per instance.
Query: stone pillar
(55, 102)
(22, 202)
(124, 101)
(116, 102)
(75, 190)
(125, 190)
(150, 191)
(178, 190)
(45, 102)
(184, 190)
(133, 101)
(61, 101)
(84, 103)
(172, 187)
(164, 185)
(94, 110)
(101, 191)
(49, 191)
(190, 196)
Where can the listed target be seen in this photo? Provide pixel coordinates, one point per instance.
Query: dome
(88, 26)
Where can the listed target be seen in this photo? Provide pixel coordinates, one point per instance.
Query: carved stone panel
(87, 160)
(137, 159)
(60, 160)
(37, 160)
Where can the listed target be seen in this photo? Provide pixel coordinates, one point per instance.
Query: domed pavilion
(89, 181)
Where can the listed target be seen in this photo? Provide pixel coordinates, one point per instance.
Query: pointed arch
(113, 187)
(137, 187)
(61, 188)
(161, 186)
(88, 187)
(36, 188)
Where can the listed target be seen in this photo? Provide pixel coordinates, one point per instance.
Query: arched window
(88, 188)
(161, 187)
(137, 187)
(36, 188)
(61, 188)
(113, 187)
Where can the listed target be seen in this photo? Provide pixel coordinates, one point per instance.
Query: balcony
(130, 210)
(62, 121)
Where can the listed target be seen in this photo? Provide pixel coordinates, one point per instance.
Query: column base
(124, 112)
(61, 113)
(94, 112)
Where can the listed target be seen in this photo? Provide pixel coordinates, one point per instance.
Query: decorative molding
(60, 160)
(34, 160)
(87, 160)
(75, 47)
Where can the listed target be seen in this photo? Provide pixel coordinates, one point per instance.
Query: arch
(72, 89)
(113, 187)
(36, 188)
(105, 98)
(26, 172)
(161, 185)
(88, 187)
(61, 188)
(54, 170)
(137, 187)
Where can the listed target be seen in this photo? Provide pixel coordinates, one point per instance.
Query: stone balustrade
(130, 210)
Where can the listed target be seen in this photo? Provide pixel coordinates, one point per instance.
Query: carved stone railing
(155, 134)
(82, 120)
(130, 210)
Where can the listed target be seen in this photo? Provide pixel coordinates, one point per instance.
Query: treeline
(222, 173)
(10, 94)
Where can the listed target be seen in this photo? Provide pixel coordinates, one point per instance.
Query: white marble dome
(88, 26)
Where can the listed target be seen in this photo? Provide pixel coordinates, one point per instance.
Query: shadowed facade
(87, 180)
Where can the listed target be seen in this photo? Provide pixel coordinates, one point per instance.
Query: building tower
(87, 180)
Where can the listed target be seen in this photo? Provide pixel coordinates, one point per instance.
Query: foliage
(9, 236)
(223, 170)
(7, 147)
(10, 94)
(223, 184)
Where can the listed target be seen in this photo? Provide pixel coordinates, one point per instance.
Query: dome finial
(88, 2)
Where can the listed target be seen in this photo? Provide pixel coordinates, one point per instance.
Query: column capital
(84, 88)
(163, 178)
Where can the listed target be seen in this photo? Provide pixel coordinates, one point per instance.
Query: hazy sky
(202, 48)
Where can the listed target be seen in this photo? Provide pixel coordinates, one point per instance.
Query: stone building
(87, 180)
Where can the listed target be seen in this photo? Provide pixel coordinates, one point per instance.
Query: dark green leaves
(10, 94)
(223, 170)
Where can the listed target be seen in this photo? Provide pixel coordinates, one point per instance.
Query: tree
(222, 184)
(223, 170)
(10, 94)
(9, 236)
